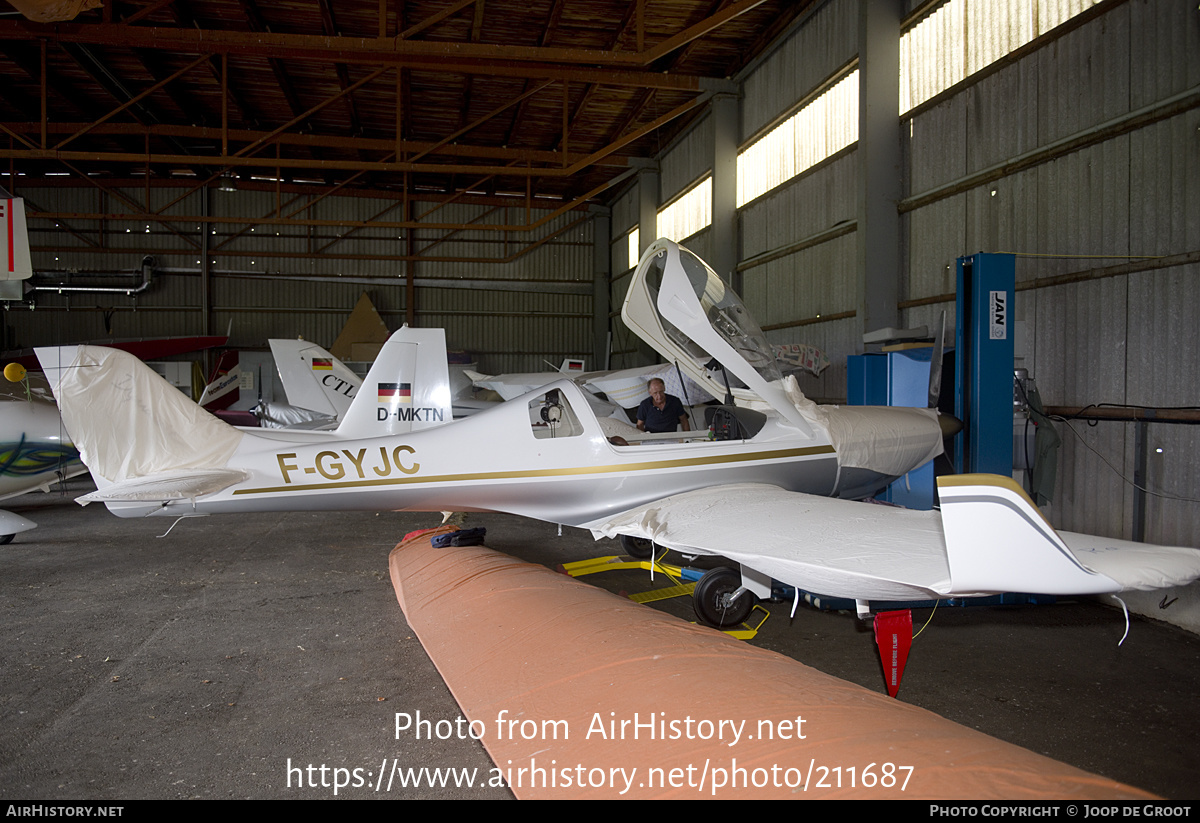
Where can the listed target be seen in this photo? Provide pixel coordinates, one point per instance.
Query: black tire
(639, 548)
(5, 539)
(711, 598)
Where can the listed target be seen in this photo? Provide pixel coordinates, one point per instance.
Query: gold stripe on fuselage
(532, 473)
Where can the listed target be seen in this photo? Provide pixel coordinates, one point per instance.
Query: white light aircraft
(319, 388)
(756, 487)
(313, 378)
(34, 453)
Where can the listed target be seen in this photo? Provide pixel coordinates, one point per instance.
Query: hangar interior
(495, 169)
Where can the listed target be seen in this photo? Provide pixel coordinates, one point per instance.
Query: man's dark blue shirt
(666, 420)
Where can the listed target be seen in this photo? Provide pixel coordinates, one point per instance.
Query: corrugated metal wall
(819, 280)
(288, 281)
(624, 218)
(687, 160)
(827, 41)
(1132, 192)
(816, 281)
(1123, 189)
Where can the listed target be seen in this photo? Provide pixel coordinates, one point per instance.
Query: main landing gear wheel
(714, 602)
(639, 548)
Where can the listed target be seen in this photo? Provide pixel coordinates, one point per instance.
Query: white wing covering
(988, 538)
(1136, 566)
(838, 548)
(174, 485)
(888, 440)
(126, 421)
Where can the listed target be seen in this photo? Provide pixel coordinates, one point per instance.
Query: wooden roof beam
(357, 50)
(259, 25)
(306, 139)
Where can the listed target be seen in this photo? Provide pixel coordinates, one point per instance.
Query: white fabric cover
(128, 422)
(283, 416)
(890, 440)
(843, 548)
(1135, 566)
(629, 387)
(838, 548)
(181, 485)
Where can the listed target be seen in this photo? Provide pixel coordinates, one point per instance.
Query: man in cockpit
(661, 412)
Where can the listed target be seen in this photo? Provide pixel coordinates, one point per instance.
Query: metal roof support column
(647, 234)
(724, 189)
(601, 283)
(878, 163)
(206, 275)
(647, 207)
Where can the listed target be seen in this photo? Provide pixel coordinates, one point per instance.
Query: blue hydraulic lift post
(983, 364)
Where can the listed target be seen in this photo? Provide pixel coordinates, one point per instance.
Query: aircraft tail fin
(15, 263)
(313, 378)
(998, 541)
(126, 421)
(407, 389)
(223, 389)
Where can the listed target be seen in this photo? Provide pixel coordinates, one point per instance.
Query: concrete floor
(207, 663)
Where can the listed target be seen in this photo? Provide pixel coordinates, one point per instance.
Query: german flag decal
(395, 392)
(322, 364)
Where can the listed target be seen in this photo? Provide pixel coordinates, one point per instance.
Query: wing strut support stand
(893, 636)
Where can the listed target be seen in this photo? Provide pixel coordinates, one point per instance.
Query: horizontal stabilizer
(998, 540)
(181, 485)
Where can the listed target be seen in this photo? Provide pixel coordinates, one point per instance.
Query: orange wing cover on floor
(578, 693)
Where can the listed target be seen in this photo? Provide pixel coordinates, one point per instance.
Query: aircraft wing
(988, 538)
(835, 547)
(164, 486)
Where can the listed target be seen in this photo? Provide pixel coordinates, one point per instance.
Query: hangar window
(960, 37)
(687, 214)
(820, 129)
(625, 252)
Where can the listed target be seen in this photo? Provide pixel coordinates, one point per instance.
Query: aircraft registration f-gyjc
(761, 490)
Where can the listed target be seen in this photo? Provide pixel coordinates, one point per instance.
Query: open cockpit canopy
(682, 308)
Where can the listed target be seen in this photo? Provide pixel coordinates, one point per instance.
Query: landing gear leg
(720, 600)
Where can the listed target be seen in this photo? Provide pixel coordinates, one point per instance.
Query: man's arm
(684, 423)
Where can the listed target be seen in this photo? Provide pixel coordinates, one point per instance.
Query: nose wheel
(719, 599)
(639, 548)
